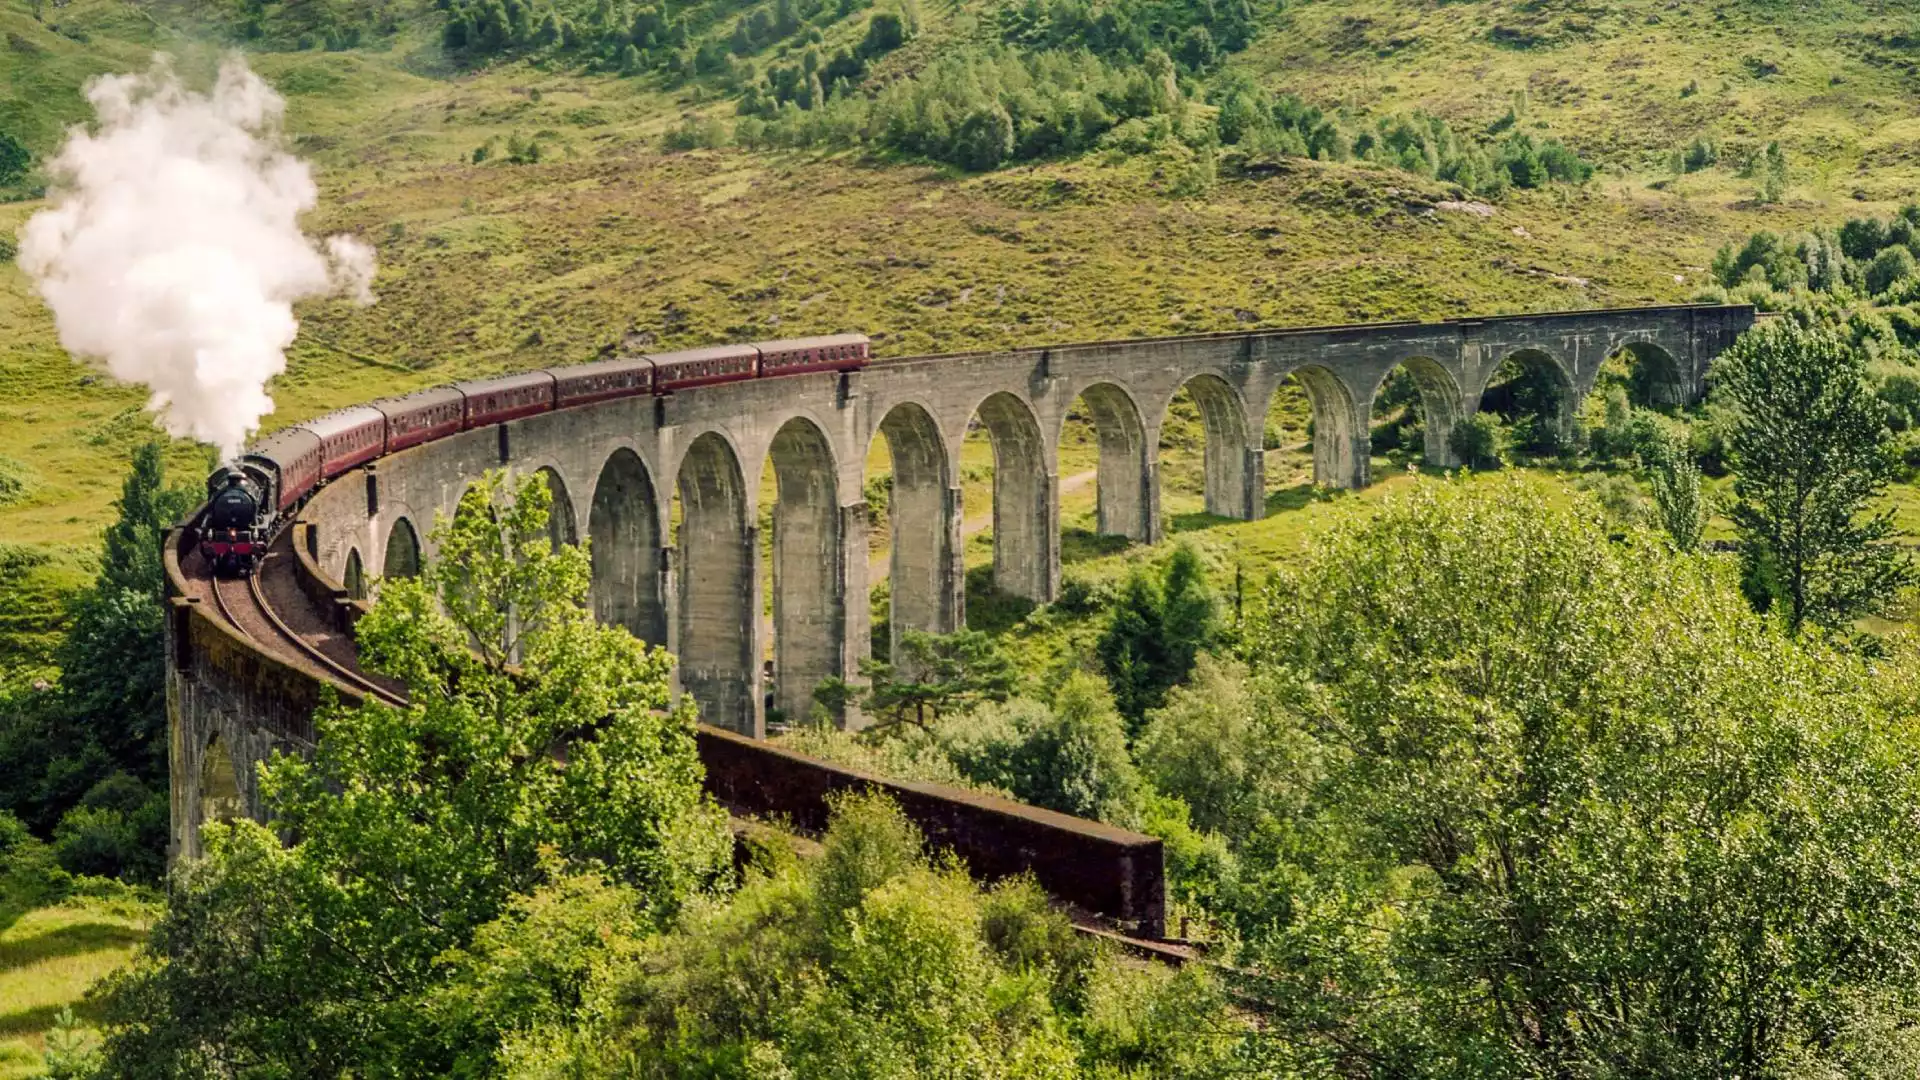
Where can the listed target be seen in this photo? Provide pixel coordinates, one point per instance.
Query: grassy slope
(48, 959)
(499, 266)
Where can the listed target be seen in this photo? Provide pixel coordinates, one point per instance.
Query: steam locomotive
(248, 499)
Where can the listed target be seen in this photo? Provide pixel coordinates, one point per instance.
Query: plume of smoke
(172, 249)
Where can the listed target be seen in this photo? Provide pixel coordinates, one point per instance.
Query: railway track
(245, 604)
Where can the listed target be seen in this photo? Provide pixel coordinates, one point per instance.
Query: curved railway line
(249, 605)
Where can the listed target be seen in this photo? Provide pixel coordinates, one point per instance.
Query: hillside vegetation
(544, 179)
(511, 262)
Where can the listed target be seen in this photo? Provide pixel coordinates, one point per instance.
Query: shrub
(1891, 267)
(1476, 442)
(1765, 252)
(14, 159)
(1704, 153)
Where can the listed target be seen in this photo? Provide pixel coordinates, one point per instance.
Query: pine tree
(933, 675)
(112, 663)
(1810, 454)
(1158, 629)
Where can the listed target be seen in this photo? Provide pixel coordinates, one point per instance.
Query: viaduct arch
(667, 490)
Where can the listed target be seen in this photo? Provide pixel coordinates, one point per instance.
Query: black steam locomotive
(233, 531)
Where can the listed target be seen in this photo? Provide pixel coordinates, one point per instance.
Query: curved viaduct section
(669, 492)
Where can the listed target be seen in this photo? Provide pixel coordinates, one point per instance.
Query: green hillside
(500, 265)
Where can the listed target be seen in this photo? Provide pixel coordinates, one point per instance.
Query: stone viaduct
(685, 571)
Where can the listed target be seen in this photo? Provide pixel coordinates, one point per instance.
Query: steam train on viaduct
(247, 499)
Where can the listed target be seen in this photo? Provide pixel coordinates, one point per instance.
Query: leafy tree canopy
(1811, 455)
(1533, 802)
(1159, 625)
(536, 746)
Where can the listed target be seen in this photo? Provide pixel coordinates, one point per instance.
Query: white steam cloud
(172, 250)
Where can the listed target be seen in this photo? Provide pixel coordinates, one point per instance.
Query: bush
(695, 133)
(1071, 757)
(1704, 153)
(30, 877)
(14, 159)
(1891, 267)
(871, 961)
(119, 830)
(1765, 254)
(1476, 442)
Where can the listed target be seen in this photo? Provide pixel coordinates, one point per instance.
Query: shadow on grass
(69, 940)
(1285, 500)
(1080, 545)
(42, 1017)
(988, 608)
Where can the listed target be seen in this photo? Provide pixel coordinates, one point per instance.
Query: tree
(1209, 745)
(113, 661)
(1675, 479)
(1810, 456)
(95, 746)
(1890, 267)
(14, 158)
(1196, 49)
(1773, 174)
(984, 139)
(534, 745)
(885, 33)
(933, 675)
(1549, 785)
(1476, 441)
(1157, 628)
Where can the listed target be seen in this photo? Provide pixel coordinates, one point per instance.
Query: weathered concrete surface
(668, 490)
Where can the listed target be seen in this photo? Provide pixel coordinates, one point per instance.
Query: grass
(495, 266)
(48, 960)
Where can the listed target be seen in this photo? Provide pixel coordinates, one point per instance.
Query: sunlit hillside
(499, 265)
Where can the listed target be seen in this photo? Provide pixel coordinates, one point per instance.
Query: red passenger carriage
(510, 397)
(701, 367)
(836, 352)
(631, 377)
(422, 416)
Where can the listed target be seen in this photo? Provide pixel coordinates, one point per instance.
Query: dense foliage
(14, 159)
(873, 961)
(1481, 835)
(1160, 625)
(536, 747)
(1810, 456)
(85, 757)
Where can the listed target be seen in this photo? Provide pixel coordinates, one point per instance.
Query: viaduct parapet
(670, 491)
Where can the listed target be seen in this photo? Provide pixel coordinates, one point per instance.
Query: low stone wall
(1105, 870)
